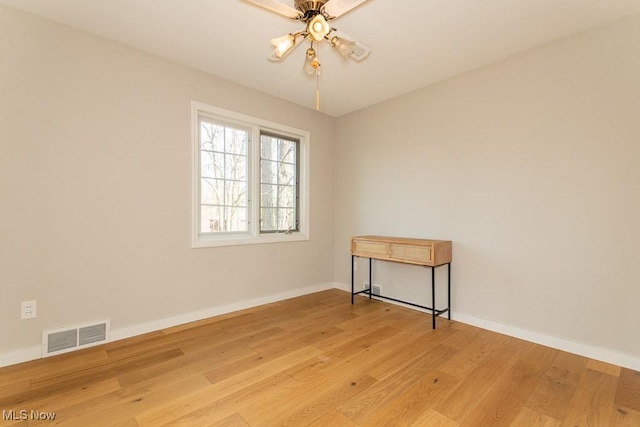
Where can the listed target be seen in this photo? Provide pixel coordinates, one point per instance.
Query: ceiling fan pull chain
(318, 65)
(317, 92)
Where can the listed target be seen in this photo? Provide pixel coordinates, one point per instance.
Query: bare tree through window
(224, 174)
(278, 184)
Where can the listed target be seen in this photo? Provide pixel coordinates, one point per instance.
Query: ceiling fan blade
(277, 7)
(359, 50)
(336, 8)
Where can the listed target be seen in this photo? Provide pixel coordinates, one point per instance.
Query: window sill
(213, 241)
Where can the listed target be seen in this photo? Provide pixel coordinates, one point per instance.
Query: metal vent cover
(92, 334)
(59, 341)
(66, 339)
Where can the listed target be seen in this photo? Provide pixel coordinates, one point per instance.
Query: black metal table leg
(352, 261)
(449, 291)
(370, 280)
(433, 297)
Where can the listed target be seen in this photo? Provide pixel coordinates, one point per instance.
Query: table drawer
(411, 253)
(365, 248)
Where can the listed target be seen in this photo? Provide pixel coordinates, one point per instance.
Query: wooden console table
(424, 252)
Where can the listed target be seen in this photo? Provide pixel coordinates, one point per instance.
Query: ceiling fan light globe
(318, 27)
(282, 45)
(310, 62)
(344, 46)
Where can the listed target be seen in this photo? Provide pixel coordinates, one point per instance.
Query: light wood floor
(317, 360)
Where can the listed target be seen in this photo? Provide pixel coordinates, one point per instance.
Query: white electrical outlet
(27, 309)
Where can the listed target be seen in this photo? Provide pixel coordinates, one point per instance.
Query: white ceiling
(414, 42)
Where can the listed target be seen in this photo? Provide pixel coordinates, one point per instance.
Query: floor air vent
(377, 289)
(67, 339)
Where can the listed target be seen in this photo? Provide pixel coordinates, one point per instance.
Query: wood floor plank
(208, 418)
(363, 342)
(218, 389)
(502, 405)
(57, 402)
(529, 417)
(366, 359)
(402, 354)
(126, 404)
(318, 360)
(302, 408)
(593, 403)
(235, 339)
(36, 369)
(129, 422)
(188, 365)
(234, 420)
(434, 418)
(554, 393)
(294, 340)
(628, 391)
(83, 376)
(605, 368)
(411, 405)
(474, 349)
(203, 409)
(480, 381)
(333, 418)
(15, 386)
(382, 392)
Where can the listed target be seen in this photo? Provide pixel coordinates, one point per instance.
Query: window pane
(235, 167)
(269, 172)
(268, 196)
(236, 141)
(287, 151)
(210, 219)
(223, 178)
(211, 137)
(269, 219)
(286, 196)
(286, 174)
(286, 219)
(211, 164)
(278, 170)
(212, 191)
(236, 193)
(235, 219)
(268, 147)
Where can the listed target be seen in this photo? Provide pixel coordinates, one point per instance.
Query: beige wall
(532, 167)
(95, 187)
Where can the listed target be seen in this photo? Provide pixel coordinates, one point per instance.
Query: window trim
(256, 125)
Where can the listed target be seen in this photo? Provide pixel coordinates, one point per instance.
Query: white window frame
(255, 125)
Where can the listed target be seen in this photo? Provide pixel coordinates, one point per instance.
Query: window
(223, 178)
(278, 184)
(250, 179)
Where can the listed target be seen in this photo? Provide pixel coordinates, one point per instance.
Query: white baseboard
(21, 355)
(590, 351)
(144, 328)
(32, 353)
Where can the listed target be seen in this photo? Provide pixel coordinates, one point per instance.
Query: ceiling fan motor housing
(309, 8)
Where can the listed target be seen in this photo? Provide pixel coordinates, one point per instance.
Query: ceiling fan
(316, 15)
